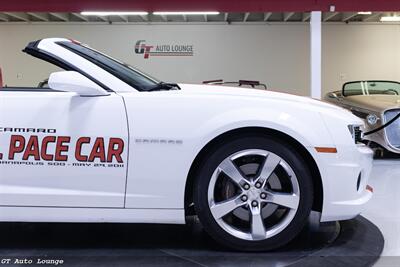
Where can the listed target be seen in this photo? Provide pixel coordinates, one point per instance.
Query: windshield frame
(370, 81)
(100, 62)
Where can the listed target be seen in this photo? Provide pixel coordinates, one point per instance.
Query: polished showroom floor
(384, 208)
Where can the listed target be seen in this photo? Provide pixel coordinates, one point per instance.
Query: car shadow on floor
(82, 244)
(135, 236)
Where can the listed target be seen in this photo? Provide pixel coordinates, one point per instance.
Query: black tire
(280, 148)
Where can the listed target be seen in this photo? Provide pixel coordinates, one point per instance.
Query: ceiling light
(113, 13)
(364, 13)
(186, 13)
(390, 19)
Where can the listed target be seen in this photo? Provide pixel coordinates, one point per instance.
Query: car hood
(217, 90)
(378, 103)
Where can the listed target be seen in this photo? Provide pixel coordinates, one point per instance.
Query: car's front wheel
(253, 194)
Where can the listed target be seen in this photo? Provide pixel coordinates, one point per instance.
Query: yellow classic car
(378, 103)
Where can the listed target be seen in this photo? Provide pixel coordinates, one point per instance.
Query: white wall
(275, 54)
(359, 52)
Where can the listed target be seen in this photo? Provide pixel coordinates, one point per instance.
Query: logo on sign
(171, 50)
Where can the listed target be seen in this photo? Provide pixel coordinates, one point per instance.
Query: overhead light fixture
(166, 13)
(390, 19)
(114, 13)
(364, 13)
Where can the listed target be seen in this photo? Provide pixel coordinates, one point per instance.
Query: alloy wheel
(253, 194)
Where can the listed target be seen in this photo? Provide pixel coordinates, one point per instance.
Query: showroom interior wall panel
(277, 55)
(359, 52)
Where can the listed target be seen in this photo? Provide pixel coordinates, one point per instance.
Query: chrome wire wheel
(253, 194)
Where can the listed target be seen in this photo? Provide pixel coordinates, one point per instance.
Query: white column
(315, 53)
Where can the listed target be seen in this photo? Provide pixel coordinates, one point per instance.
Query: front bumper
(345, 178)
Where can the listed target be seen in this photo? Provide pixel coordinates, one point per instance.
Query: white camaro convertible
(107, 143)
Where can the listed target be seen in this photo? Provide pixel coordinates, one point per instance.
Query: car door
(59, 149)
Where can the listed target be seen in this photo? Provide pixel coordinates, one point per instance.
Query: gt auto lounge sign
(157, 50)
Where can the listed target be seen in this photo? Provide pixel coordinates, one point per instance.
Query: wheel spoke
(270, 163)
(229, 168)
(222, 208)
(257, 224)
(287, 200)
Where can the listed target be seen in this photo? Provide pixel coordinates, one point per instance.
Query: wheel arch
(246, 132)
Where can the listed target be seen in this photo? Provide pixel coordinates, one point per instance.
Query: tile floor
(384, 208)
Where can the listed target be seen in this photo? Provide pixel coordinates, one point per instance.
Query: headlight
(372, 119)
(356, 133)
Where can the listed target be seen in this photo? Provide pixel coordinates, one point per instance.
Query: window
(371, 88)
(122, 71)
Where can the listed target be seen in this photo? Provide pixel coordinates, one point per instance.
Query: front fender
(307, 128)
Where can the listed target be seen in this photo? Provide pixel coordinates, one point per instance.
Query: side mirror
(72, 81)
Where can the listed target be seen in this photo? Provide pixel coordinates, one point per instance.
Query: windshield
(371, 88)
(124, 72)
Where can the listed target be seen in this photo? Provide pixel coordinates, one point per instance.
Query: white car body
(163, 132)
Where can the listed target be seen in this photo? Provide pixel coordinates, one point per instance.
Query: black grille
(357, 134)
